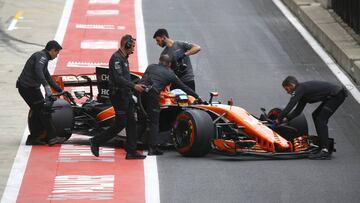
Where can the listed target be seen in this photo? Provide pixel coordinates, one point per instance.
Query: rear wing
(100, 79)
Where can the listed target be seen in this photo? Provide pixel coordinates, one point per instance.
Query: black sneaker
(94, 148)
(56, 140)
(134, 155)
(324, 154)
(154, 151)
(37, 141)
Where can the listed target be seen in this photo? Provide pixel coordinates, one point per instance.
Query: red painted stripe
(73, 36)
(43, 165)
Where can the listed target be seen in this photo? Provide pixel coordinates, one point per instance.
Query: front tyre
(192, 133)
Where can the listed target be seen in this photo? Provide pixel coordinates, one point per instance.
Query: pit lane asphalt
(248, 48)
(16, 46)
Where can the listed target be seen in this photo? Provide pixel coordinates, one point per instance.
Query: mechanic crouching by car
(158, 76)
(331, 97)
(121, 92)
(179, 53)
(35, 74)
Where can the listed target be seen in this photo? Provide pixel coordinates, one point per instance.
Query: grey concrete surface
(39, 25)
(248, 48)
(333, 36)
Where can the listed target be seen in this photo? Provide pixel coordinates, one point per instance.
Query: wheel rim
(183, 133)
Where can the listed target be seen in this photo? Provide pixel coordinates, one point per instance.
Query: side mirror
(212, 95)
(263, 110)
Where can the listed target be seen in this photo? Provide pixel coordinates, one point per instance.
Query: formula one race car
(195, 129)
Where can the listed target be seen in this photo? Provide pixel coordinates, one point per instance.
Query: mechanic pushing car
(158, 76)
(331, 97)
(35, 74)
(179, 53)
(121, 92)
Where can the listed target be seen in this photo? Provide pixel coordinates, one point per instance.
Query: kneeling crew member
(121, 92)
(331, 97)
(34, 74)
(160, 75)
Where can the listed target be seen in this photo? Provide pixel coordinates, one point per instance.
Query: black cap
(53, 45)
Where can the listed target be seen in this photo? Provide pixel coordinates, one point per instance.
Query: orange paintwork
(264, 136)
(59, 81)
(227, 146)
(106, 114)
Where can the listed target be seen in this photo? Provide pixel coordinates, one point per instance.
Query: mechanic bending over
(331, 97)
(34, 74)
(121, 92)
(159, 76)
(179, 53)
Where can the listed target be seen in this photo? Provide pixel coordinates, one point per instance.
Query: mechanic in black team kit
(121, 92)
(158, 76)
(35, 74)
(331, 97)
(179, 53)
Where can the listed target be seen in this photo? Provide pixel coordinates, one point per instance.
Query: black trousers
(322, 114)
(151, 103)
(39, 117)
(124, 118)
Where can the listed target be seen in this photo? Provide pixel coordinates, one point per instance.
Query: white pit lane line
(335, 69)
(152, 194)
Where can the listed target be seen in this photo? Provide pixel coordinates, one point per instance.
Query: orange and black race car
(195, 129)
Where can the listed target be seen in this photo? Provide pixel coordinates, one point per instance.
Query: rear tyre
(63, 118)
(192, 133)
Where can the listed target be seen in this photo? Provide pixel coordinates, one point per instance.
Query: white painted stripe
(99, 44)
(73, 64)
(152, 194)
(335, 69)
(60, 33)
(83, 187)
(12, 25)
(140, 36)
(95, 26)
(18, 169)
(104, 1)
(16, 18)
(102, 12)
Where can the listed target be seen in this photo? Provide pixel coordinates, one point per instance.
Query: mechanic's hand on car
(139, 87)
(278, 122)
(48, 93)
(180, 55)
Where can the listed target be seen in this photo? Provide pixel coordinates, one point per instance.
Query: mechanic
(121, 92)
(179, 52)
(331, 97)
(35, 74)
(159, 76)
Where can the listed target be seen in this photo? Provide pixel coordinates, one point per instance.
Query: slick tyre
(192, 133)
(63, 118)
